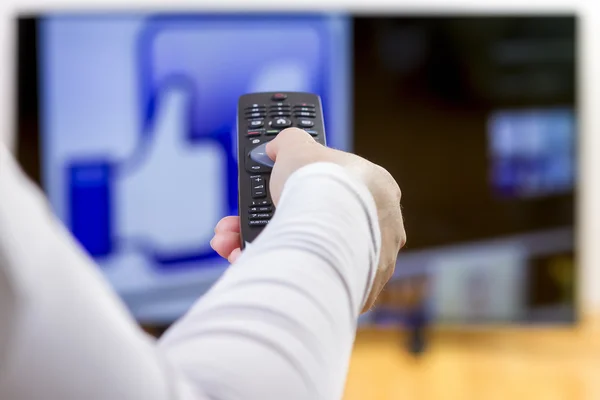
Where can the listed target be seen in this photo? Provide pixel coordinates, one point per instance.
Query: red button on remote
(279, 96)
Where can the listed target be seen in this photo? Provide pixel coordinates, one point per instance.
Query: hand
(294, 148)
(227, 240)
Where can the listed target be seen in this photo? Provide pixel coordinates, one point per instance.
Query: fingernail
(235, 254)
(211, 241)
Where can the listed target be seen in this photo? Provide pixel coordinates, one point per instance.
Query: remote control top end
(260, 117)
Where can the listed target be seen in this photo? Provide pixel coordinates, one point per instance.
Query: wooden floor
(490, 364)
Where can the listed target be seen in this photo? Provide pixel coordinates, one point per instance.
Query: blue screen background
(138, 132)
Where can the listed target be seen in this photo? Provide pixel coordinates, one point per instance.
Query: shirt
(279, 324)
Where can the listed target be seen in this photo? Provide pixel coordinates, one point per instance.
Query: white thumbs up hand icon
(171, 199)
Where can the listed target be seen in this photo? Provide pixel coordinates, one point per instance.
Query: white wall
(589, 52)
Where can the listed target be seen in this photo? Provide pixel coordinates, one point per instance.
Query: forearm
(281, 322)
(65, 334)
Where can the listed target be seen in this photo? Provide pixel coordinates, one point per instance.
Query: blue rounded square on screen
(149, 102)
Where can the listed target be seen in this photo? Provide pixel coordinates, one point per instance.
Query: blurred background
(127, 121)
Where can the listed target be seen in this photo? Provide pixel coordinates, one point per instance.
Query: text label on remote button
(305, 123)
(256, 124)
(259, 222)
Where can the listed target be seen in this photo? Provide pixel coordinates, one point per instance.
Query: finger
(225, 243)
(234, 255)
(289, 137)
(228, 224)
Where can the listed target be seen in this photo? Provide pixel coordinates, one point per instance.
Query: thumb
(288, 138)
(172, 121)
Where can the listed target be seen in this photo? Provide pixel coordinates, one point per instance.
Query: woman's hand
(226, 241)
(294, 148)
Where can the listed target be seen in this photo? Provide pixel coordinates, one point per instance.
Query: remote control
(261, 116)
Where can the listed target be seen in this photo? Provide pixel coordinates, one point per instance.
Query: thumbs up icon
(172, 198)
(163, 200)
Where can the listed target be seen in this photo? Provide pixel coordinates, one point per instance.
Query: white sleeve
(279, 324)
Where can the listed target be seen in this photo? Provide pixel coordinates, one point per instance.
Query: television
(126, 120)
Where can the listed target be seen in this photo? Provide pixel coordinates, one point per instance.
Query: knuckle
(392, 184)
(402, 239)
(291, 132)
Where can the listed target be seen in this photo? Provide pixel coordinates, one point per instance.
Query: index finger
(287, 137)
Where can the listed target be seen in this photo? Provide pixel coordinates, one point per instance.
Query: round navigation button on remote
(259, 155)
(281, 122)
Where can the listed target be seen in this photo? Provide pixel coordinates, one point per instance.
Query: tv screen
(127, 122)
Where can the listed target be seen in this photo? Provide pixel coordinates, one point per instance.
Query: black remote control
(261, 116)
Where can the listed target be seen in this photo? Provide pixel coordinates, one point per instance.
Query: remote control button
(253, 133)
(259, 156)
(252, 166)
(257, 194)
(256, 123)
(255, 115)
(255, 110)
(304, 114)
(272, 132)
(263, 209)
(258, 183)
(305, 105)
(260, 203)
(280, 105)
(255, 141)
(258, 168)
(255, 106)
(260, 216)
(303, 109)
(260, 222)
(280, 123)
(306, 123)
(279, 96)
(279, 114)
(311, 132)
